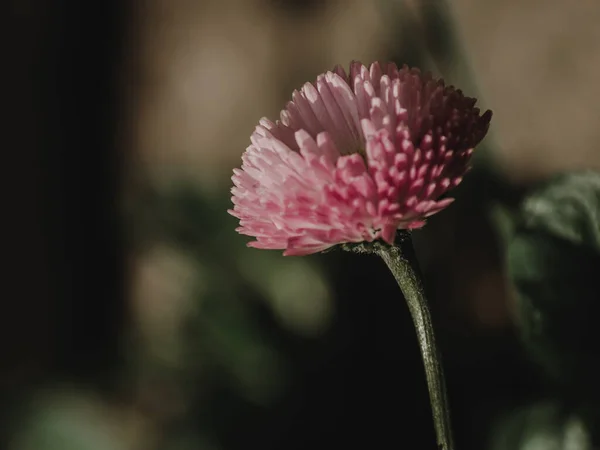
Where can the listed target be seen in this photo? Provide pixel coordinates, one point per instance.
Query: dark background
(86, 363)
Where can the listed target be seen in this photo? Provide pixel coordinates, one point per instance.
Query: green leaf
(554, 264)
(567, 207)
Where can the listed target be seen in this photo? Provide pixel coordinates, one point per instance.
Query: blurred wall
(209, 70)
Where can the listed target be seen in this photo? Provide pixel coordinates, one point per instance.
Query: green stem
(402, 262)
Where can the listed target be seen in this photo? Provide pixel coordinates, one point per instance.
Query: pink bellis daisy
(354, 158)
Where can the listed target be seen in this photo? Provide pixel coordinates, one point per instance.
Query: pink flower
(355, 158)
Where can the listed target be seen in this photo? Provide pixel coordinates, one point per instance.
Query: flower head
(355, 157)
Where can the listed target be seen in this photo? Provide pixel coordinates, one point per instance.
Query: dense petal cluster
(354, 157)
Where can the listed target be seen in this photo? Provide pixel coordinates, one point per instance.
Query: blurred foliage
(247, 308)
(68, 418)
(541, 426)
(554, 263)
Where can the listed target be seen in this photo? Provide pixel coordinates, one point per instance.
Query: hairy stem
(402, 262)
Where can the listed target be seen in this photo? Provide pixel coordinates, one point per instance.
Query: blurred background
(134, 316)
